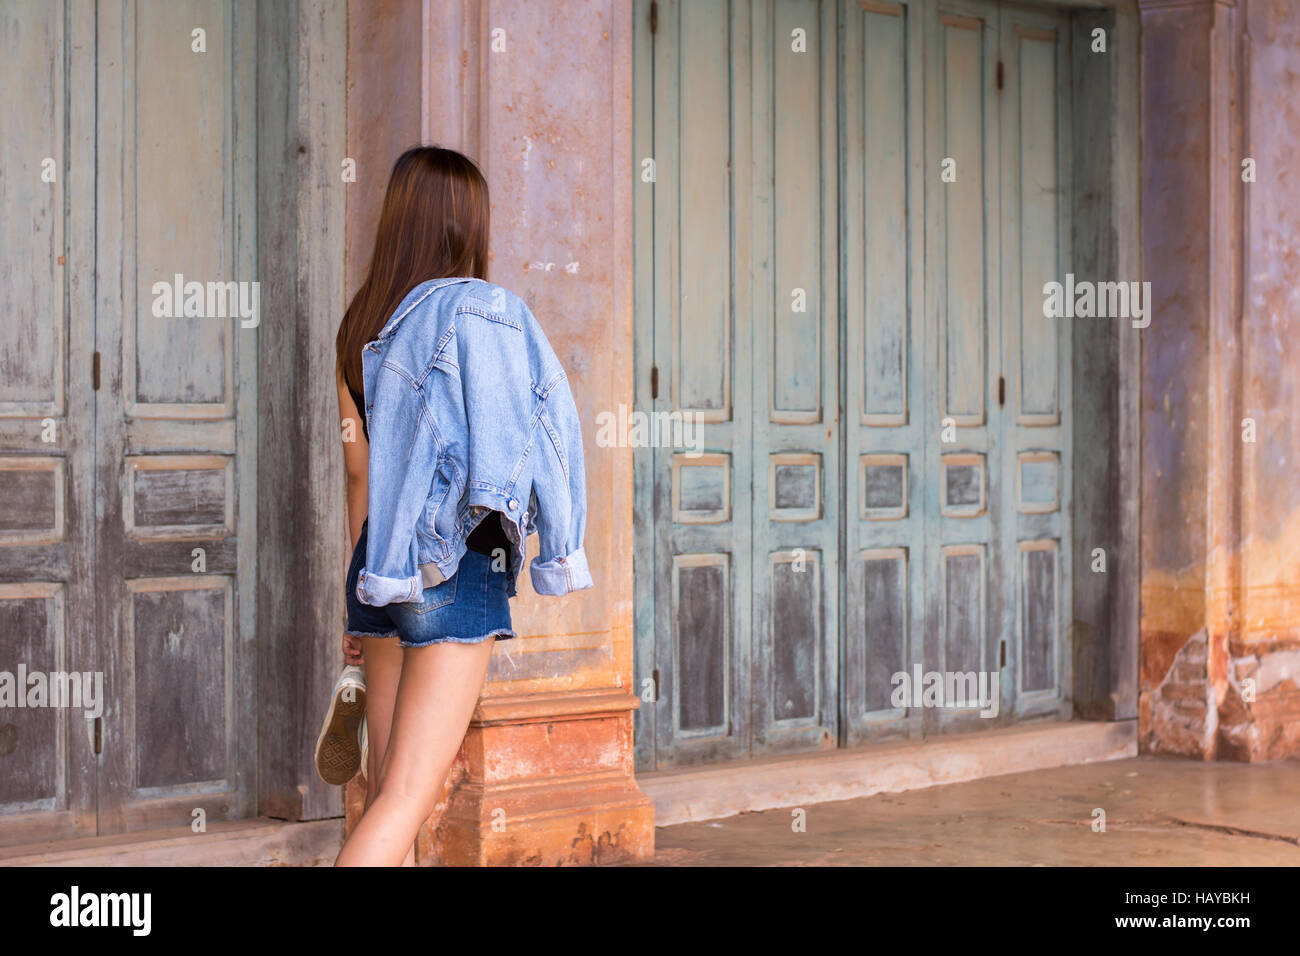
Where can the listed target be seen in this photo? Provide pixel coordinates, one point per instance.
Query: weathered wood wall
(1105, 385)
(302, 142)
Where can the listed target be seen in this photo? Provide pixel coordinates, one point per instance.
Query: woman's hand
(352, 649)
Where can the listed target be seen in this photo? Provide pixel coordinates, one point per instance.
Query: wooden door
(702, 577)
(176, 411)
(791, 332)
(962, 468)
(887, 424)
(1034, 540)
(47, 428)
(744, 296)
(956, 386)
(1000, 557)
(905, 435)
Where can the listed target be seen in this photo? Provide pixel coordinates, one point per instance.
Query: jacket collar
(414, 298)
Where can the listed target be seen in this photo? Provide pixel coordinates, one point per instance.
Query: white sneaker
(338, 752)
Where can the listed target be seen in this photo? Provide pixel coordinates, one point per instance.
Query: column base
(541, 780)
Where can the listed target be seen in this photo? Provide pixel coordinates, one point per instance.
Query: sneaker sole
(338, 753)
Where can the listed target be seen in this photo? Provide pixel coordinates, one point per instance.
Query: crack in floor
(1236, 831)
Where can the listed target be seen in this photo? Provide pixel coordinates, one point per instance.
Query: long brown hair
(434, 224)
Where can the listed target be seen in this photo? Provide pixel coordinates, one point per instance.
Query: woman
(426, 659)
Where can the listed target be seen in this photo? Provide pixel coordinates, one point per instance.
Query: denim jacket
(469, 412)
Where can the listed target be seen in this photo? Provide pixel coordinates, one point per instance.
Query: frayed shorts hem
(500, 634)
(369, 634)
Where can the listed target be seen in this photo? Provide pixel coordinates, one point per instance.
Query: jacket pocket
(439, 518)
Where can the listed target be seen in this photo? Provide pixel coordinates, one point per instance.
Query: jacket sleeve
(560, 485)
(399, 483)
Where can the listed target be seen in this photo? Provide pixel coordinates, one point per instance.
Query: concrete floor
(1159, 812)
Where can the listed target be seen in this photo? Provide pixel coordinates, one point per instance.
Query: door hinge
(654, 381)
(1000, 71)
(1002, 391)
(94, 372)
(99, 734)
(1002, 655)
(654, 17)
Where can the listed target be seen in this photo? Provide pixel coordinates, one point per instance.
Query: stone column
(1220, 535)
(540, 95)
(1265, 645)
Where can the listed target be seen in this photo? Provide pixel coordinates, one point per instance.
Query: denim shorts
(469, 607)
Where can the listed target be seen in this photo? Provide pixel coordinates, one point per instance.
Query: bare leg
(436, 694)
(383, 657)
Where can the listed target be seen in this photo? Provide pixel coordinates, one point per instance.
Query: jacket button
(512, 504)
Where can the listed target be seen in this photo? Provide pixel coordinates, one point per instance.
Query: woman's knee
(406, 800)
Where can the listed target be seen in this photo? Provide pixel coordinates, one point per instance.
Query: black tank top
(487, 536)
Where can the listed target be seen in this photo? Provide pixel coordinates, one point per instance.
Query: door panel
(47, 516)
(792, 332)
(701, 577)
(963, 603)
(962, 131)
(127, 434)
(885, 427)
(1036, 359)
(175, 474)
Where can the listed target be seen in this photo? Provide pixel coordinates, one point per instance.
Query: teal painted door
(127, 437)
(887, 372)
(701, 649)
(176, 421)
(840, 264)
(1034, 539)
(47, 413)
(793, 324)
